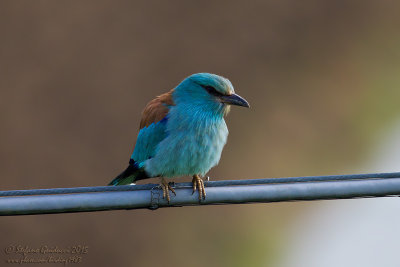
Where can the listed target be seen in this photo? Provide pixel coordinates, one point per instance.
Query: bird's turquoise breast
(194, 143)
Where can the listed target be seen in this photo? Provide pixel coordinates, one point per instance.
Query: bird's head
(210, 91)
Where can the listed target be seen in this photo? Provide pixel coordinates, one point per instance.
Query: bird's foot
(166, 187)
(198, 184)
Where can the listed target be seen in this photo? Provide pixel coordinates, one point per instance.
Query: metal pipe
(207, 183)
(152, 199)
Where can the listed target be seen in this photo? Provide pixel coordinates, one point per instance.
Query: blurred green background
(322, 78)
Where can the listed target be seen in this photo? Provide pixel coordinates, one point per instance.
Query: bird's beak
(234, 99)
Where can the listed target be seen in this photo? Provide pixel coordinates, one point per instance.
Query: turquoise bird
(183, 132)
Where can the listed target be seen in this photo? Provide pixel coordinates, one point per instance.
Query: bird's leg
(198, 184)
(165, 188)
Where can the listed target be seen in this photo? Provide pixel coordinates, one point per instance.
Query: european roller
(182, 133)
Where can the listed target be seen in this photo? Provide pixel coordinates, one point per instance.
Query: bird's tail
(131, 174)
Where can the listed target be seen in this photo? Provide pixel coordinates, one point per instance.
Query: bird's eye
(211, 90)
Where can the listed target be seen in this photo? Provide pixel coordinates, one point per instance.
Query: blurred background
(322, 78)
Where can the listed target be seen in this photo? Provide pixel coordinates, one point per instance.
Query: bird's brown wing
(157, 109)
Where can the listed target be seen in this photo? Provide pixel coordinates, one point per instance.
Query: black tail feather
(131, 174)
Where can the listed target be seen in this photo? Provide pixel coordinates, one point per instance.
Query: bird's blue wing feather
(148, 139)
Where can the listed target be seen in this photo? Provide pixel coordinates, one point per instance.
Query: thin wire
(53, 191)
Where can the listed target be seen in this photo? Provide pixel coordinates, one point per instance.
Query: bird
(182, 133)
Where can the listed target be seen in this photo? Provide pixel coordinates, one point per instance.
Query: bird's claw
(166, 187)
(198, 184)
